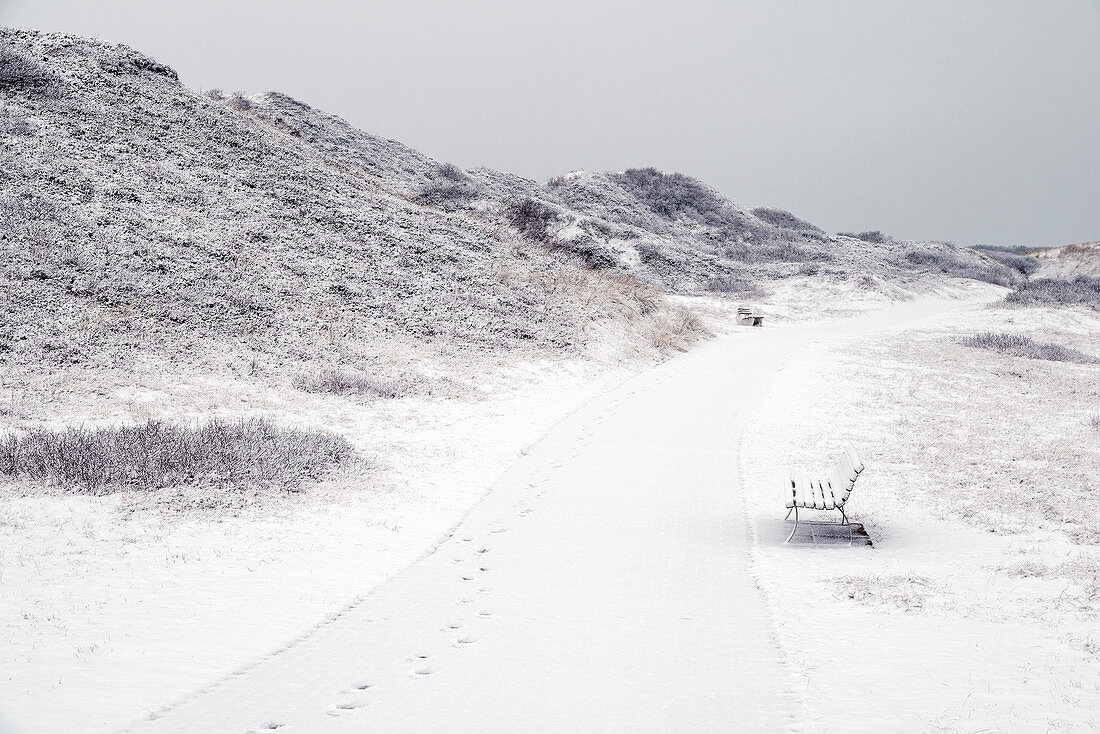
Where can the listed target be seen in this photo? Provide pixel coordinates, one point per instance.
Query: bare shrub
(341, 382)
(1094, 421)
(1081, 291)
(671, 194)
(233, 455)
(1018, 345)
(783, 219)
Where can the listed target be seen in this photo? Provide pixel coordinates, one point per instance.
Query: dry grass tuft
(343, 382)
(906, 592)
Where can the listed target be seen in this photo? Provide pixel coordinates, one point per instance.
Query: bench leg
(795, 508)
(848, 523)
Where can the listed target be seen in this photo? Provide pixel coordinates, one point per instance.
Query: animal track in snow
(426, 670)
(269, 726)
(483, 550)
(463, 641)
(499, 530)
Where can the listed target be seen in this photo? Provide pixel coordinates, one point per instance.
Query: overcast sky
(972, 121)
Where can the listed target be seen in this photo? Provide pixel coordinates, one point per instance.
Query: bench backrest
(844, 475)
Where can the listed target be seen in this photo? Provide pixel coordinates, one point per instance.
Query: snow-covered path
(604, 584)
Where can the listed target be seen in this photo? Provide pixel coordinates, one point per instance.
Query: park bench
(745, 317)
(829, 493)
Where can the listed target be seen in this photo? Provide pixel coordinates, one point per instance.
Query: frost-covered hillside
(140, 219)
(256, 233)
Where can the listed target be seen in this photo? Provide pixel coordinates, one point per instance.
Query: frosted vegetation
(1080, 291)
(230, 455)
(1019, 345)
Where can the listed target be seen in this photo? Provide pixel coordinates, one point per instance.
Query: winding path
(603, 585)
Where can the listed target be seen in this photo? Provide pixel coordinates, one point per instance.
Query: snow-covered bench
(745, 317)
(829, 493)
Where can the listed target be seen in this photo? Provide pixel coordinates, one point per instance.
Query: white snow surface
(625, 572)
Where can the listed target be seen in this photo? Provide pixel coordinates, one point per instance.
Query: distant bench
(745, 317)
(823, 494)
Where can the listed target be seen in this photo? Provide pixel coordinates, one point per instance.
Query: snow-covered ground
(639, 580)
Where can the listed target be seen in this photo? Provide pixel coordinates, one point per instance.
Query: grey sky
(974, 121)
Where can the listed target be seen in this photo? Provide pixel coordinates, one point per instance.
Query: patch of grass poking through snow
(234, 455)
(342, 382)
(908, 593)
(1018, 345)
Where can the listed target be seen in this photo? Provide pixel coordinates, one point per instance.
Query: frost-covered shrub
(783, 219)
(26, 74)
(342, 382)
(785, 251)
(240, 103)
(227, 454)
(1094, 421)
(1018, 345)
(873, 236)
(531, 218)
(1081, 291)
(953, 265)
(592, 252)
(671, 194)
(734, 285)
(1025, 265)
(451, 188)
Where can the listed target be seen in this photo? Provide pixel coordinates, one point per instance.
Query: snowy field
(637, 576)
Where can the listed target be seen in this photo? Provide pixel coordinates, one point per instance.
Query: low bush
(872, 236)
(25, 74)
(342, 382)
(233, 455)
(594, 254)
(672, 194)
(955, 266)
(1094, 421)
(1081, 291)
(1018, 345)
(531, 218)
(449, 189)
(239, 102)
(783, 219)
(1025, 265)
(734, 285)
